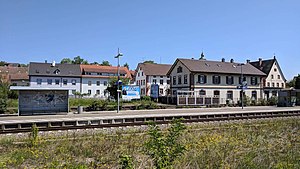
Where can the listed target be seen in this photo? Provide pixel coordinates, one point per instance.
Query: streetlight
(119, 81)
(243, 84)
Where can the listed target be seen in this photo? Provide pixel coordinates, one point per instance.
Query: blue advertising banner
(130, 92)
(154, 93)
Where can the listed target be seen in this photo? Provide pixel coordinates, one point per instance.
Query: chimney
(223, 59)
(231, 60)
(248, 61)
(260, 61)
(53, 64)
(45, 61)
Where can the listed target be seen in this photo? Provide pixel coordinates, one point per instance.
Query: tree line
(79, 60)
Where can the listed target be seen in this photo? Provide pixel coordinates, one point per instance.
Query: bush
(146, 98)
(262, 102)
(273, 101)
(98, 105)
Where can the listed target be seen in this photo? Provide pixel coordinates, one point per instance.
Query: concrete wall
(43, 102)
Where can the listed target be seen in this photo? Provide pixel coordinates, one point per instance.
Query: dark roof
(219, 67)
(266, 65)
(155, 69)
(46, 69)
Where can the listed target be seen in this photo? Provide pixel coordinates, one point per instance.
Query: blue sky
(151, 30)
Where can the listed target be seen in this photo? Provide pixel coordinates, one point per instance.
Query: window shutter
(227, 79)
(204, 78)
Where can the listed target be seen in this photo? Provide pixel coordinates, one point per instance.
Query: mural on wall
(47, 101)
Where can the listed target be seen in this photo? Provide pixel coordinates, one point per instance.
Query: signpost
(154, 91)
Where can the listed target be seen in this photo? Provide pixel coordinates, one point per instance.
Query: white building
(51, 75)
(275, 80)
(216, 79)
(95, 78)
(148, 74)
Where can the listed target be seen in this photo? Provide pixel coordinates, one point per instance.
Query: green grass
(259, 144)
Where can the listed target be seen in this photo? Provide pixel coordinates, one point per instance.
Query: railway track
(119, 121)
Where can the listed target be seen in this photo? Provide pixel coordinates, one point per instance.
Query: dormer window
(57, 71)
(179, 69)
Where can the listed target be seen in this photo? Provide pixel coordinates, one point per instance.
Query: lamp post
(118, 82)
(242, 86)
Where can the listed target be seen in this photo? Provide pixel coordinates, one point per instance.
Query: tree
(66, 60)
(126, 65)
(149, 61)
(2, 63)
(297, 82)
(79, 60)
(94, 63)
(164, 149)
(105, 63)
(112, 86)
(4, 88)
(291, 83)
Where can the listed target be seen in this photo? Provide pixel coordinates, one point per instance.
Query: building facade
(148, 74)
(95, 79)
(216, 79)
(274, 81)
(51, 75)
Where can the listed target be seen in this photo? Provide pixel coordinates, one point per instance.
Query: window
(253, 80)
(201, 79)
(105, 83)
(39, 81)
(185, 79)
(274, 93)
(229, 80)
(273, 84)
(56, 81)
(174, 80)
(244, 80)
(161, 81)
(168, 81)
(49, 81)
(272, 76)
(161, 91)
(14, 84)
(161, 77)
(139, 74)
(179, 79)
(154, 76)
(73, 81)
(144, 82)
(277, 84)
(268, 84)
(216, 93)
(89, 83)
(230, 95)
(202, 92)
(98, 92)
(275, 70)
(73, 91)
(154, 81)
(174, 92)
(179, 69)
(142, 73)
(98, 83)
(89, 92)
(65, 81)
(282, 85)
(216, 80)
(278, 76)
(253, 95)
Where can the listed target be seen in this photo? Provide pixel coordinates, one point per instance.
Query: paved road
(144, 113)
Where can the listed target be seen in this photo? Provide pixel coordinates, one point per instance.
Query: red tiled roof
(105, 69)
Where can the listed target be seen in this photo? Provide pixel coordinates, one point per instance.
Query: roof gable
(154, 69)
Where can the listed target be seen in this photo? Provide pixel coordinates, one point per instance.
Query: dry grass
(256, 144)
